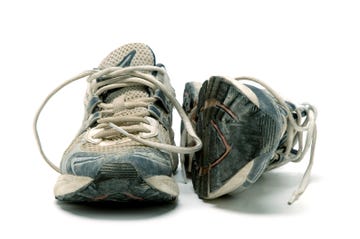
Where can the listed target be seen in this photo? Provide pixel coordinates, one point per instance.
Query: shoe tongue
(133, 54)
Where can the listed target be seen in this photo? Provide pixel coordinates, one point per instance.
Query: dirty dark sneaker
(246, 129)
(125, 148)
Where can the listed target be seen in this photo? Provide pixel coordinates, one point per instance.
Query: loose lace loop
(118, 77)
(296, 128)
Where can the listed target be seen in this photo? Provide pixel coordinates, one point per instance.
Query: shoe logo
(126, 61)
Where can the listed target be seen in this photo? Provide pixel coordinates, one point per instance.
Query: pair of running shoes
(232, 131)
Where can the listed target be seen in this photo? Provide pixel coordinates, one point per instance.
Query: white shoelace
(118, 77)
(295, 130)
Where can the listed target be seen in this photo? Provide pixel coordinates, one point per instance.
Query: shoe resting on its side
(245, 130)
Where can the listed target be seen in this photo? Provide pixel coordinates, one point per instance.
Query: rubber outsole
(236, 135)
(120, 184)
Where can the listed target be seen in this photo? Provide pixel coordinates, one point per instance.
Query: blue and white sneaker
(246, 130)
(125, 148)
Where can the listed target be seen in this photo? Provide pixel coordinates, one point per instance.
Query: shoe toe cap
(145, 162)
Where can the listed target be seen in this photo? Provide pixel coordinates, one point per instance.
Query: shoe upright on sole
(102, 163)
(240, 127)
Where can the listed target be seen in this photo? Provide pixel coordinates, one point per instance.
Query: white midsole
(67, 183)
(233, 183)
(164, 184)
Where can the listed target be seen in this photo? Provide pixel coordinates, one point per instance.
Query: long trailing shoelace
(296, 128)
(118, 77)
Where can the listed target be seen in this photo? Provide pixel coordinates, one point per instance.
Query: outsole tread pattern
(117, 183)
(234, 131)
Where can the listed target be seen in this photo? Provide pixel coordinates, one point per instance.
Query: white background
(306, 50)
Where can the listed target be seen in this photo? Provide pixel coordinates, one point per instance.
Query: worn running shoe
(246, 129)
(125, 149)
